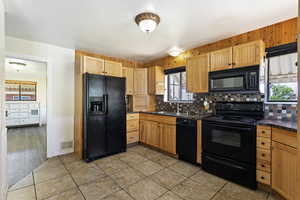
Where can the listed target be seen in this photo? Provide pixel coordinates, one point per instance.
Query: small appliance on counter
(229, 141)
(104, 116)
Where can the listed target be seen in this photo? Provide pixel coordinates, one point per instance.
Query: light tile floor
(138, 174)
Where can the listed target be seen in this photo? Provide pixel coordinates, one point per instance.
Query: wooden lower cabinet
(132, 126)
(284, 166)
(157, 134)
(167, 138)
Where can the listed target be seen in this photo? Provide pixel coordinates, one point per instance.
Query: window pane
(283, 91)
(176, 88)
(175, 79)
(283, 78)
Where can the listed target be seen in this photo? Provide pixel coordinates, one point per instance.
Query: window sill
(187, 102)
(283, 102)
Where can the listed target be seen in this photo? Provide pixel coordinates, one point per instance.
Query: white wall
(36, 72)
(3, 147)
(60, 88)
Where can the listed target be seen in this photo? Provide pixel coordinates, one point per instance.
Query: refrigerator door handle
(105, 104)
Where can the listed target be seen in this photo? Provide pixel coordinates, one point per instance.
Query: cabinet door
(128, 74)
(152, 134)
(197, 73)
(156, 81)
(284, 160)
(140, 81)
(221, 59)
(168, 138)
(151, 81)
(143, 131)
(113, 68)
(248, 54)
(140, 103)
(93, 65)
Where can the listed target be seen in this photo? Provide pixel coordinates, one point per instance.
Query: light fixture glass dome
(147, 21)
(147, 25)
(175, 51)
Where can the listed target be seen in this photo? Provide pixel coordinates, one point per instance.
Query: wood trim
(298, 123)
(20, 82)
(199, 141)
(276, 34)
(125, 63)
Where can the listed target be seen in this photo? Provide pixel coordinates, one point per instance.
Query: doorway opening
(26, 116)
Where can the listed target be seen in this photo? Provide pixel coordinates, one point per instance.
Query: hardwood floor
(26, 149)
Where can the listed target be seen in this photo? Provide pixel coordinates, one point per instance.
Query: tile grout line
(218, 191)
(77, 186)
(34, 185)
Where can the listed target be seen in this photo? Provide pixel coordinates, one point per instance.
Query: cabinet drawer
(285, 137)
(132, 116)
(132, 137)
(264, 143)
(263, 154)
(159, 118)
(264, 131)
(263, 165)
(132, 125)
(263, 177)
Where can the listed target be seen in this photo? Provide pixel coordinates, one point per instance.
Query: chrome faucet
(178, 109)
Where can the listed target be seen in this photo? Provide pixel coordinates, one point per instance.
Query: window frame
(278, 51)
(180, 88)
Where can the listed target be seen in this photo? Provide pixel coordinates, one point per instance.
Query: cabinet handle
(229, 64)
(233, 63)
(262, 165)
(262, 178)
(263, 132)
(263, 155)
(263, 143)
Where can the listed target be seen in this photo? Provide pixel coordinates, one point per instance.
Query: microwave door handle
(225, 163)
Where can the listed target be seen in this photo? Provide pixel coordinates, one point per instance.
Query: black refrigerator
(104, 116)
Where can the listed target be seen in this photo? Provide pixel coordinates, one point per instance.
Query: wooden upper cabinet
(197, 69)
(221, 59)
(156, 81)
(284, 166)
(248, 54)
(93, 65)
(128, 74)
(140, 81)
(113, 68)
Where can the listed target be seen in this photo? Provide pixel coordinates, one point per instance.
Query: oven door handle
(232, 127)
(225, 163)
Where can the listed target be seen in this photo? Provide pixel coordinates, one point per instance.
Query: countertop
(288, 125)
(172, 114)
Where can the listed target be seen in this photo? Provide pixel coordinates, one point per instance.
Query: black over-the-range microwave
(245, 79)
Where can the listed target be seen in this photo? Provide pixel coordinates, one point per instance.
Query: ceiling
(35, 70)
(108, 27)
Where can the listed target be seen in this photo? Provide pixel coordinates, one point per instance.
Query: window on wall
(175, 82)
(282, 79)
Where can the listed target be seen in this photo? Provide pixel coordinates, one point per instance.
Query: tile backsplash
(272, 111)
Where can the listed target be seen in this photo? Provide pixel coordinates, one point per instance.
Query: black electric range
(229, 141)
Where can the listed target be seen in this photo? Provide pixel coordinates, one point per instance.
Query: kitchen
(215, 121)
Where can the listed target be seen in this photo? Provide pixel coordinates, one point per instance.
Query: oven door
(233, 141)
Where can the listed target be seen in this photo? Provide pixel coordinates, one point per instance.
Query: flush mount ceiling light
(18, 65)
(147, 21)
(175, 51)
